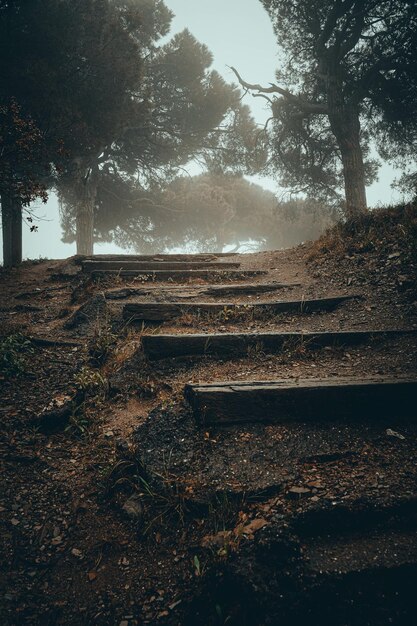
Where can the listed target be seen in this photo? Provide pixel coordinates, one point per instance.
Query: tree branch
(303, 105)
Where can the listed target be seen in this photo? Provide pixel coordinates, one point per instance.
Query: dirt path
(130, 512)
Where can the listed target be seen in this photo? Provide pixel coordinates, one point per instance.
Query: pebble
(76, 552)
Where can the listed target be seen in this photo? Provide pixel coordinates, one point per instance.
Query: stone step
(151, 266)
(198, 290)
(229, 345)
(283, 400)
(178, 275)
(161, 311)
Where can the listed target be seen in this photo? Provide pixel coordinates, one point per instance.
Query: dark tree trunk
(345, 124)
(86, 197)
(11, 213)
(346, 128)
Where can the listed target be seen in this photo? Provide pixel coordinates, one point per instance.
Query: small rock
(133, 507)
(56, 541)
(76, 552)
(393, 433)
(298, 492)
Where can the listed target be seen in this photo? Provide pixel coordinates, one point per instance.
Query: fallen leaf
(219, 539)
(315, 484)
(254, 526)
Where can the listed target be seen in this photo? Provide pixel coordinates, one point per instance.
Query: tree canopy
(109, 104)
(347, 75)
(210, 212)
(182, 110)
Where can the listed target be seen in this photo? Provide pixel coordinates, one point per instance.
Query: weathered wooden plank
(160, 311)
(234, 290)
(303, 400)
(157, 275)
(198, 290)
(151, 266)
(242, 344)
(152, 311)
(209, 256)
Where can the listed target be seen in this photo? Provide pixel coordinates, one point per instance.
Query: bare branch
(303, 105)
(262, 95)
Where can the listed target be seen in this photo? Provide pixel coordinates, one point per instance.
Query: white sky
(239, 33)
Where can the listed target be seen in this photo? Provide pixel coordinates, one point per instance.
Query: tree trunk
(11, 212)
(345, 124)
(86, 189)
(219, 242)
(347, 132)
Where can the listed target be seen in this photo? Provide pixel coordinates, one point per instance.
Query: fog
(239, 33)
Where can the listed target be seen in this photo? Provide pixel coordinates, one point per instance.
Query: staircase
(331, 457)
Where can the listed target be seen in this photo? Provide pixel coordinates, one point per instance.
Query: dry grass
(376, 231)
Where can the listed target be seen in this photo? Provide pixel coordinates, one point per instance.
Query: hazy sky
(239, 33)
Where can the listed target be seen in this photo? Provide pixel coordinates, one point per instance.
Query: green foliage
(183, 110)
(348, 76)
(116, 111)
(102, 342)
(23, 155)
(92, 383)
(14, 352)
(92, 389)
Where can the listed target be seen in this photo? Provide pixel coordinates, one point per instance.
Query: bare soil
(130, 513)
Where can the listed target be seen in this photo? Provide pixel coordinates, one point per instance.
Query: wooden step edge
(206, 273)
(163, 346)
(216, 289)
(151, 257)
(251, 386)
(296, 383)
(284, 400)
(162, 311)
(147, 266)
